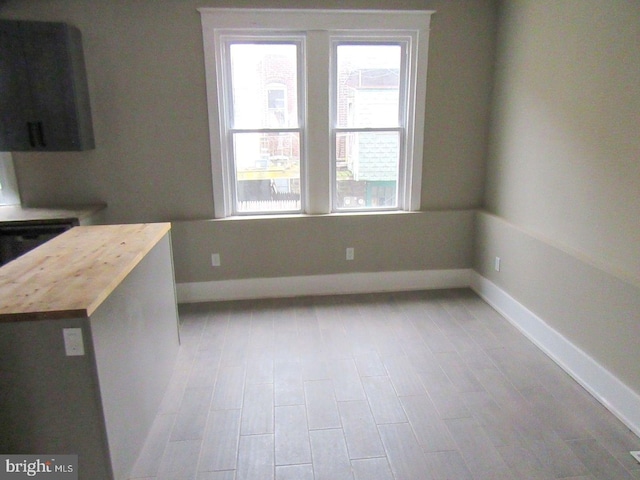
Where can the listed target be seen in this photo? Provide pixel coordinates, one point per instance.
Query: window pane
(367, 170)
(264, 85)
(267, 167)
(368, 85)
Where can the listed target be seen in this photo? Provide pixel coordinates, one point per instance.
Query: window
(315, 111)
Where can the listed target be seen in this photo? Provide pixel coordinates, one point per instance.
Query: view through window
(368, 121)
(265, 127)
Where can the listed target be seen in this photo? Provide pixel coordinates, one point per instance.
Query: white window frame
(320, 29)
(223, 39)
(402, 125)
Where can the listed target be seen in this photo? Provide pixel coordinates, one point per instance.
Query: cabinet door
(53, 121)
(15, 103)
(53, 100)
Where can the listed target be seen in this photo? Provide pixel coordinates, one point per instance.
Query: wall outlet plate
(636, 454)
(350, 253)
(73, 344)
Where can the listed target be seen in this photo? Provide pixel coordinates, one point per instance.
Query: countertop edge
(117, 280)
(101, 295)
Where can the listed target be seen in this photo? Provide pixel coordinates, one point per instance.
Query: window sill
(234, 218)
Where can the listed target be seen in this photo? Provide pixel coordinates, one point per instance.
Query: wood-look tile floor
(419, 385)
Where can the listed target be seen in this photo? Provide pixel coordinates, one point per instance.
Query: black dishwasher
(18, 239)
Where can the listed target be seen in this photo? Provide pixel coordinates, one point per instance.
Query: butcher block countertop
(12, 214)
(72, 274)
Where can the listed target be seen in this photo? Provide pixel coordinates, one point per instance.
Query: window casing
(342, 135)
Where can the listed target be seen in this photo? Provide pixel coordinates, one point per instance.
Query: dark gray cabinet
(44, 99)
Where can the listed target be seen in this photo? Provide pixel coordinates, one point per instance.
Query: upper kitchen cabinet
(44, 98)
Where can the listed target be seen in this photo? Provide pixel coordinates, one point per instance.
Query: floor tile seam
(505, 378)
(613, 456)
(372, 457)
(202, 452)
(595, 434)
(166, 442)
(293, 464)
(207, 410)
(273, 407)
(382, 424)
(531, 444)
(215, 385)
(414, 321)
(193, 361)
(463, 325)
(589, 431)
(312, 429)
(215, 471)
(210, 411)
(414, 428)
(255, 434)
(373, 376)
(308, 431)
(306, 404)
(468, 466)
(422, 454)
(371, 417)
(448, 377)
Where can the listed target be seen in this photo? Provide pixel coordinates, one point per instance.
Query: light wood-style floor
(420, 385)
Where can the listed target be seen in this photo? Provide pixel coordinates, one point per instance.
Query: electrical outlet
(215, 259)
(350, 253)
(73, 344)
(496, 264)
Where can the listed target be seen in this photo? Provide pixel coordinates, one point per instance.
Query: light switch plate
(73, 344)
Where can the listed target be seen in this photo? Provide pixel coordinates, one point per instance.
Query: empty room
(345, 239)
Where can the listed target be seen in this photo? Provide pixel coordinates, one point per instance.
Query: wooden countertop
(12, 214)
(72, 274)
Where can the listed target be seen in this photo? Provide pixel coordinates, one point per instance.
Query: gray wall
(563, 173)
(152, 158)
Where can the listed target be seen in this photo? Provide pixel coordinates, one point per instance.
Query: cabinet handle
(32, 136)
(41, 134)
(36, 134)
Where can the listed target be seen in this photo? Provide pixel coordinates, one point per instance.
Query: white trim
(617, 397)
(319, 25)
(314, 19)
(334, 284)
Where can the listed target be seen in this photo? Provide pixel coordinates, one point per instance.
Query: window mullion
(318, 146)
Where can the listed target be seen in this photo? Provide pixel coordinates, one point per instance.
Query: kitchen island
(88, 341)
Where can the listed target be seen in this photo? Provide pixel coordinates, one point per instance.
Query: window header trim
(314, 19)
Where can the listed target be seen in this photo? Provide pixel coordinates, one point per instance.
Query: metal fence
(259, 206)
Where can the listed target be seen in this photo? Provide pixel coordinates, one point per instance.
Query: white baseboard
(343, 283)
(623, 402)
